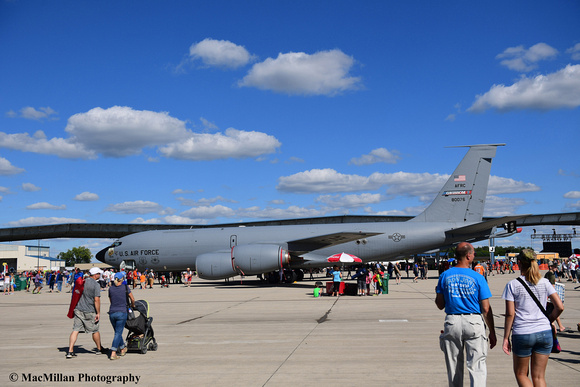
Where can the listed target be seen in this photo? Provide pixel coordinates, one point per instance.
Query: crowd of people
(370, 277)
(38, 278)
(502, 267)
(567, 269)
(533, 304)
(57, 280)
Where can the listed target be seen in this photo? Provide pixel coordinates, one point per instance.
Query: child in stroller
(141, 337)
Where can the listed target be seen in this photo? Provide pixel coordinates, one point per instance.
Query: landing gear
(299, 274)
(290, 276)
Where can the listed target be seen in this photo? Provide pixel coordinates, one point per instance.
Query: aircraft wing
(321, 241)
(480, 227)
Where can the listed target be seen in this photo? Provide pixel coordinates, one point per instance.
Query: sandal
(123, 351)
(114, 357)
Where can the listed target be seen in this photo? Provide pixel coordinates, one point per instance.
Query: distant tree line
(76, 255)
(499, 250)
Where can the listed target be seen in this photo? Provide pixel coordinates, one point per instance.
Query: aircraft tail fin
(462, 198)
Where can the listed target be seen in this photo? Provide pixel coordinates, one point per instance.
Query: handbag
(556, 348)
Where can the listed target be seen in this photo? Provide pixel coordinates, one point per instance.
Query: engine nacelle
(212, 266)
(257, 259)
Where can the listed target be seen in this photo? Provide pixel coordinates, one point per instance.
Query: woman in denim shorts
(531, 330)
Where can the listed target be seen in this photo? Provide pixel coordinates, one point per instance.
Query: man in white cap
(87, 313)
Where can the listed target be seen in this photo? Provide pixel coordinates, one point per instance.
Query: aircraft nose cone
(101, 255)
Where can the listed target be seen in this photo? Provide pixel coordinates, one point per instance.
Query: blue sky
(226, 111)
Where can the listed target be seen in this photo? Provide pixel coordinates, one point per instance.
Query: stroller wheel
(144, 350)
(153, 346)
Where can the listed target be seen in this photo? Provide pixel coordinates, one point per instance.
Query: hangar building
(19, 258)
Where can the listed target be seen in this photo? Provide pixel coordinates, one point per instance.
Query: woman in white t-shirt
(530, 329)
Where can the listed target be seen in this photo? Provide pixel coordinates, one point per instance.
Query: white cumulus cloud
(543, 92)
(87, 197)
(498, 206)
(574, 51)
(421, 185)
(208, 212)
(379, 155)
(6, 168)
(204, 201)
(350, 201)
(323, 180)
(331, 181)
(29, 187)
(298, 73)
(38, 143)
(572, 195)
(503, 185)
(220, 53)
(121, 131)
(522, 59)
(180, 191)
(31, 113)
(45, 206)
(291, 212)
(233, 144)
(138, 207)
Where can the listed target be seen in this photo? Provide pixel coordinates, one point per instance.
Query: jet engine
(257, 259)
(212, 266)
(243, 259)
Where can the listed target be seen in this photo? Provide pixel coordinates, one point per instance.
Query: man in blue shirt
(464, 294)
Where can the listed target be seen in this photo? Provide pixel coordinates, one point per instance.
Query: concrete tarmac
(232, 334)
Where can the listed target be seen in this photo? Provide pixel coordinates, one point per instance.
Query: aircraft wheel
(299, 274)
(291, 276)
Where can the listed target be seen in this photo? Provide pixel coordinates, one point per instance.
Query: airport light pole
(491, 251)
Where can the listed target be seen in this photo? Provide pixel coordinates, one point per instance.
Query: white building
(19, 258)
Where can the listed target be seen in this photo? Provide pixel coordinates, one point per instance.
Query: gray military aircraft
(454, 215)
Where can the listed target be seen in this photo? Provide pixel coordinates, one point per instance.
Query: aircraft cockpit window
(117, 243)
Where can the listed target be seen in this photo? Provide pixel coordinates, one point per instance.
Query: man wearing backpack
(87, 313)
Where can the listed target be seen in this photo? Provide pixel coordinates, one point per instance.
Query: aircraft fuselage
(178, 249)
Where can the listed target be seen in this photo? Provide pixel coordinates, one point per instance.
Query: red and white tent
(343, 257)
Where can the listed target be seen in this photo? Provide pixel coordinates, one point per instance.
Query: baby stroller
(140, 337)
